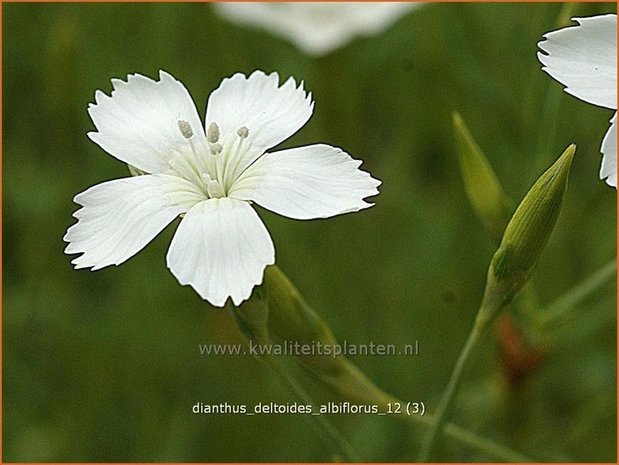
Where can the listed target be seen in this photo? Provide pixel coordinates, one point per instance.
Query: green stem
(352, 384)
(568, 10)
(466, 437)
(562, 306)
(559, 309)
(336, 437)
(481, 324)
(553, 96)
(486, 445)
(279, 306)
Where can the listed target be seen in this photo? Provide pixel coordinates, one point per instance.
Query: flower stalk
(252, 319)
(494, 209)
(331, 431)
(278, 312)
(561, 309)
(510, 268)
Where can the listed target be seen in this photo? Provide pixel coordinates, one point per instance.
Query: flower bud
(482, 187)
(292, 319)
(526, 234)
(276, 312)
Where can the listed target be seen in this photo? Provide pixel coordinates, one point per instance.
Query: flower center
(211, 166)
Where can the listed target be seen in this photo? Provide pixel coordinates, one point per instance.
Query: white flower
(584, 59)
(210, 174)
(317, 27)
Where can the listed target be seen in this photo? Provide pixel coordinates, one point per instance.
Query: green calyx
(526, 234)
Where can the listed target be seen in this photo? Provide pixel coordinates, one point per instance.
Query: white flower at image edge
(584, 59)
(210, 174)
(317, 28)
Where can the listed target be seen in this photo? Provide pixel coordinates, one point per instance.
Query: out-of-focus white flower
(317, 27)
(210, 175)
(584, 59)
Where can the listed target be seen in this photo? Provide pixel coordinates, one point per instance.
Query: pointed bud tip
(568, 154)
(560, 170)
(456, 118)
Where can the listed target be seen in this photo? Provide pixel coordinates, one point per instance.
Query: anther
(212, 133)
(185, 129)
(216, 149)
(243, 132)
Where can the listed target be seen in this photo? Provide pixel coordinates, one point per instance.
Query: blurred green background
(105, 366)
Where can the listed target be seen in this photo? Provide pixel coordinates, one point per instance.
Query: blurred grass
(105, 366)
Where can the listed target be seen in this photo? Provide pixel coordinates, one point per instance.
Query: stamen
(234, 156)
(184, 167)
(214, 189)
(185, 129)
(243, 132)
(212, 133)
(216, 149)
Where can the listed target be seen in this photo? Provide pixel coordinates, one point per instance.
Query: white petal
(139, 122)
(317, 27)
(221, 249)
(120, 217)
(609, 151)
(317, 181)
(584, 59)
(271, 113)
